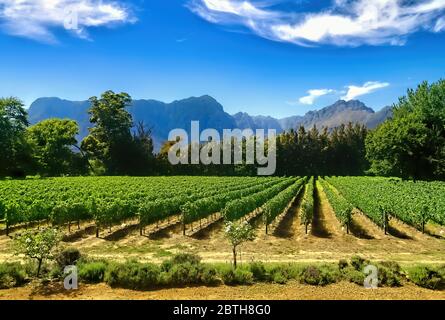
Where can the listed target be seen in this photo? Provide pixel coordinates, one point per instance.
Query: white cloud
(344, 22)
(440, 25)
(369, 87)
(37, 19)
(314, 95)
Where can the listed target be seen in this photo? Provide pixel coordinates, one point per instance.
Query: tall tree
(52, 143)
(14, 155)
(142, 157)
(314, 152)
(110, 136)
(412, 143)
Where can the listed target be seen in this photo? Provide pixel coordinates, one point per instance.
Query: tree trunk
(7, 229)
(234, 257)
(78, 224)
(86, 157)
(267, 229)
(385, 223)
(97, 231)
(69, 227)
(306, 227)
(39, 267)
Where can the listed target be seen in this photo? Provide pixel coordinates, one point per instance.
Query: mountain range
(162, 117)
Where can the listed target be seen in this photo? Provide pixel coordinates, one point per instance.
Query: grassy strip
(307, 204)
(188, 270)
(342, 208)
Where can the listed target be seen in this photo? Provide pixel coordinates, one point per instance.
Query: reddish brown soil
(290, 291)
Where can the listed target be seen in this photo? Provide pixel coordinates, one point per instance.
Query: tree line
(50, 148)
(411, 144)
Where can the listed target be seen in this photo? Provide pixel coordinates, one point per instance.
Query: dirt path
(362, 227)
(290, 291)
(435, 230)
(325, 223)
(404, 231)
(290, 226)
(287, 243)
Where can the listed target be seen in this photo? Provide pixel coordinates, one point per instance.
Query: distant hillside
(158, 116)
(338, 113)
(245, 121)
(162, 117)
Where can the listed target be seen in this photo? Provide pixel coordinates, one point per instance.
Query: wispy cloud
(369, 87)
(38, 19)
(344, 22)
(314, 95)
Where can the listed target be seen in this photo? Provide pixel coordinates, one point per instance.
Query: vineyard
(111, 201)
(415, 203)
(285, 212)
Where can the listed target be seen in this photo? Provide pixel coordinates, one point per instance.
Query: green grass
(187, 269)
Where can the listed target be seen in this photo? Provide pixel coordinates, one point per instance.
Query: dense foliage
(203, 207)
(415, 203)
(111, 200)
(412, 143)
(111, 143)
(305, 153)
(307, 204)
(238, 208)
(14, 155)
(342, 208)
(275, 206)
(51, 142)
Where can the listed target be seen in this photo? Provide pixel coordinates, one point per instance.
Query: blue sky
(270, 57)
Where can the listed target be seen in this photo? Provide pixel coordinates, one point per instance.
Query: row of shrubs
(187, 270)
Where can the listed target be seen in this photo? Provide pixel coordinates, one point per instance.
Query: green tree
(238, 233)
(13, 122)
(39, 246)
(412, 143)
(314, 152)
(141, 151)
(110, 138)
(52, 142)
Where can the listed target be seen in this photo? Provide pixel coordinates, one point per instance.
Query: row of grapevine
(107, 200)
(414, 203)
(201, 208)
(307, 204)
(278, 204)
(342, 208)
(238, 208)
(154, 211)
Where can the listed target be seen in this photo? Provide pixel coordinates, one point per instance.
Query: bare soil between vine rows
(291, 291)
(287, 241)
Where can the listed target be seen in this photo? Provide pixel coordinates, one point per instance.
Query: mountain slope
(162, 117)
(332, 116)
